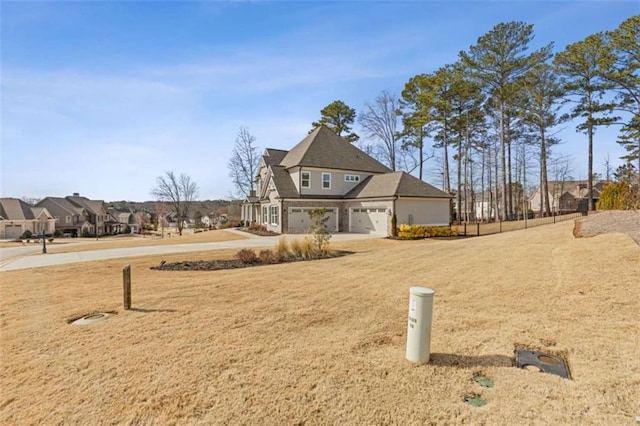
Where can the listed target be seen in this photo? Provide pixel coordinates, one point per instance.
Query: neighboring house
(205, 221)
(566, 196)
(359, 193)
(125, 217)
(16, 217)
(76, 215)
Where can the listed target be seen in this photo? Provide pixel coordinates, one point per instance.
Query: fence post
(465, 229)
(478, 228)
(126, 283)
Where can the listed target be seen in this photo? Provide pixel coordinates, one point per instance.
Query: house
(126, 217)
(77, 215)
(16, 217)
(359, 193)
(566, 196)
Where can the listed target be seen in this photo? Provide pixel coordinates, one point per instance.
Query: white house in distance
(359, 193)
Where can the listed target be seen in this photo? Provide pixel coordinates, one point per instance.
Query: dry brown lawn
(323, 342)
(66, 245)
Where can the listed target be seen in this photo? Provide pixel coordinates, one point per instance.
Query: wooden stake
(126, 282)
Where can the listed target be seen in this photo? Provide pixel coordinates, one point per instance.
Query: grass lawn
(323, 342)
(68, 245)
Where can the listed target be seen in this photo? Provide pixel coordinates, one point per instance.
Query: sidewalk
(253, 241)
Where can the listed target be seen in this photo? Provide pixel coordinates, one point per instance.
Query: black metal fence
(478, 229)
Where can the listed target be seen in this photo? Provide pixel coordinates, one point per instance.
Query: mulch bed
(216, 265)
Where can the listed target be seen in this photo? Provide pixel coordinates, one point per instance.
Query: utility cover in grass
(543, 362)
(483, 381)
(475, 401)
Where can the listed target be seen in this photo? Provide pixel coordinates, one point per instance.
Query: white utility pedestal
(419, 324)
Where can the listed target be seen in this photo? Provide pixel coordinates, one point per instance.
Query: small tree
(180, 192)
(243, 164)
(321, 235)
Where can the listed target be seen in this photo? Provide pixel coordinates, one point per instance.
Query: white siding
(423, 212)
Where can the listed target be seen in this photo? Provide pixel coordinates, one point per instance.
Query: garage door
(300, 222)
(371, 220)
(12, 231)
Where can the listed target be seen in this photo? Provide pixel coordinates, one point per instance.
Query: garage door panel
(300, 222)
(13, 231)
(369, 220)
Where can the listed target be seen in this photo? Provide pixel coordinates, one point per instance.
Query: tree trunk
(543, 171)
(592, 206)
(421, 151)
(447, 181)
(459, 194)
(503, 165)
(509, 182)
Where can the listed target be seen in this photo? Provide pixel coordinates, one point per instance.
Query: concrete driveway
(28, 257)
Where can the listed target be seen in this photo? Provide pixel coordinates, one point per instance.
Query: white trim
(302, 179)
(323, 175)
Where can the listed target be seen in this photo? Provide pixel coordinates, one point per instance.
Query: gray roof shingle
(15, 209)
(324, 149)
(273, 156)
(284, 185)
(398, 183)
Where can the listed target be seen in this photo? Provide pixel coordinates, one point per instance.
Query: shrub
(321, 235)
(282, 246)
(394, 225)
(57, 233)
(614, 196)
(296, 248)
(50, 240)
(308, 249)
(26, 234)
(247, 256)
(425, 231)
(269, 256)
(257, 227)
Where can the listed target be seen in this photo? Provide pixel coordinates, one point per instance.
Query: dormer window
(305, 180)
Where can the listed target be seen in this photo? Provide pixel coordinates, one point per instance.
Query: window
(68, 219)
(351, 178)
(306, 180)
(326, 181)
(265, 214)
(274, 215)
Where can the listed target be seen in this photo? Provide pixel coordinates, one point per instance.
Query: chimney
(76, 194)
(252, 193)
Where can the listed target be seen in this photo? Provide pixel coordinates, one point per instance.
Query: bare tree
(608, 168)
(179, 192)
(243, 164)
(380, 121)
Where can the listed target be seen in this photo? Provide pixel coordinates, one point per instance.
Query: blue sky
(102, 97)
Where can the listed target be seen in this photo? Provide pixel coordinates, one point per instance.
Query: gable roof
(397, 183)
(273, 156)
(324, 149)
(15, 209)
(284, 184)
(63, 204)
(93, 206)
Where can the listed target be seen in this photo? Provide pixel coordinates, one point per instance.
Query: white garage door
(12, 231)
(300, 222)
(371, 220)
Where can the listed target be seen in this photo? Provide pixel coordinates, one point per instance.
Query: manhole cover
(91, 318)
(542, 362)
